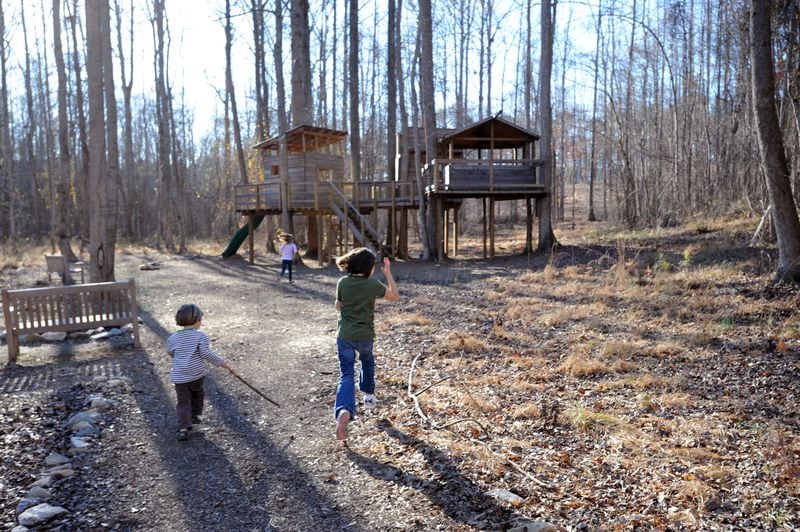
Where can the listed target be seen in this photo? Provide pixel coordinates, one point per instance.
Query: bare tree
(101, 227)
(60, 207)
(355, 123)
(283, 125)
(430, 248)
(770, 142)
(8, 198)
(547, 240)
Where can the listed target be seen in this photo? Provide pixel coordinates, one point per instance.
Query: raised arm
(392, 293)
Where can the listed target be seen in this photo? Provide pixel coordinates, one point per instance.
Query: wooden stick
(259, 392)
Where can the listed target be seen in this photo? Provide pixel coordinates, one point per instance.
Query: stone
(81, 425)
(90, 417)
(534, 526)
(31, 338)
(79, 335)
(20, 528)
(79, 445)
(87, 432)
(506, 496)
(44, 482)
(54, 336)
(37, 492)
(39, 514)
(100, 404)
(26, 503)
(56, 459)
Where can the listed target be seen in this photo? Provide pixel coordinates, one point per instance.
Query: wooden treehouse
(316, 186)
(492, 160)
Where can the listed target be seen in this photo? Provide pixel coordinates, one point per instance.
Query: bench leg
(13, 346)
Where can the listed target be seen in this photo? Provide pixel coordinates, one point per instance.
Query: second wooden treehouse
(492, 160)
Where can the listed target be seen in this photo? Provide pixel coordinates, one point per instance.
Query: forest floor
(629, 381)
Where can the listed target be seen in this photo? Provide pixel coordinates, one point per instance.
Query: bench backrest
(56, 263)
(70, 308)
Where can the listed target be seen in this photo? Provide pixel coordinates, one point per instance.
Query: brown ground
(661, 395)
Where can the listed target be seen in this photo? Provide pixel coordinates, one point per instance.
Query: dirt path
(250, 466)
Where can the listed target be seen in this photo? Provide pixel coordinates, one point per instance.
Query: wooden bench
(58, 264)
(68, 308)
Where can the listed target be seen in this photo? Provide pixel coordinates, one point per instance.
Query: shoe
(369, 402)
(197, 420)
(341, 425)
(183, 435)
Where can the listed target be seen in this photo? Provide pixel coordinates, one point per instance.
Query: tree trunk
(355, 122)
(428, 119)
(60, 234)
(547, 240)
(770, 143)
(8, 198)
(101, 250)
(283, 126)
(165, 170)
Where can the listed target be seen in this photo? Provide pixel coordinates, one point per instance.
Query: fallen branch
(259, 392)
(415, 397)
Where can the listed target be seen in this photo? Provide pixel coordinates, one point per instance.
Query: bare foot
(341, 425)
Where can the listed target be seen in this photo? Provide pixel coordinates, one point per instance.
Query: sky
(197, 56)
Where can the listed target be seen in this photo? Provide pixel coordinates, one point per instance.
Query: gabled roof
(492, 131)
(303, 138)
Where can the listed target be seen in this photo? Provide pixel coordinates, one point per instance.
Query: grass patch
(579, 366)
(586, 420)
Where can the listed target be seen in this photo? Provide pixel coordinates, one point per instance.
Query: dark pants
(190, 402)
(284, 265)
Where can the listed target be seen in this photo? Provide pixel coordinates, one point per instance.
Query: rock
(43, 482)
(26, 503)
(54, 336)
(37, 492)
(90, 417)
(56, 459)
(120, 382)
(100, 404)
(79, 445)
(61, 472)
(31, 338)
(81, 425)
(39, 514)
(79, 335)
(20, 528)
(506, 496)
(534, 526)
(87, 431)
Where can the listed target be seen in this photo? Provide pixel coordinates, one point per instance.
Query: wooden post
(491, 227)
(439, 230)
(483, 203)
(455, 231)
(250, 229)
(446, 222)
(134, 312)
(11, 327)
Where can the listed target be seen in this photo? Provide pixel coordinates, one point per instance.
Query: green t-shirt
(357, 309)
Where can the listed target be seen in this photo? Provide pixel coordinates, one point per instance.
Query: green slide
(239, 237)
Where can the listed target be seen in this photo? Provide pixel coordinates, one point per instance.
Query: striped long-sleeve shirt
(188, 349)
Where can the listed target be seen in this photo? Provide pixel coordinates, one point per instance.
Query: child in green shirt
(355, 332)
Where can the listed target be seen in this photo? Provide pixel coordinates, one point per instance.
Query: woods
(659, 106)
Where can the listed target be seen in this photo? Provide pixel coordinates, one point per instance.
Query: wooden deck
(503, 179)
(266, 198)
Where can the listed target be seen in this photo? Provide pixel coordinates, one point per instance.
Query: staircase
(359, 225)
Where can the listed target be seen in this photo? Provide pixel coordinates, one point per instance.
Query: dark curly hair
(360, 261)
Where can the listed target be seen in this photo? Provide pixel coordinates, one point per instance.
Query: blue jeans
(346, 391)
(284, 265)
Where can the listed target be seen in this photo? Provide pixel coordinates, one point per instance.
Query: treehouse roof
(304, 138)
(491, 132)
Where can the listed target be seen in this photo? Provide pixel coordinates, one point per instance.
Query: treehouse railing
(484, 175)
(316, 195)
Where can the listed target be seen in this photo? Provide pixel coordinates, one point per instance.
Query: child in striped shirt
(189, 349)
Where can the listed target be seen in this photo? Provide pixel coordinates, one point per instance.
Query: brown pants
(190, 401)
